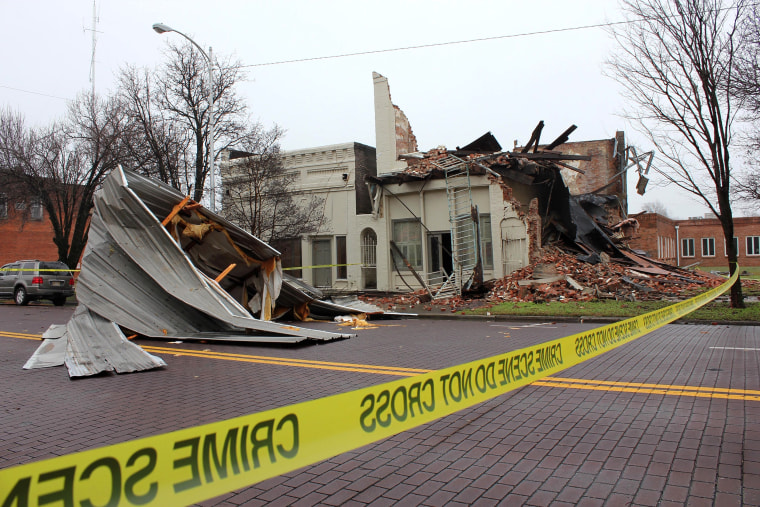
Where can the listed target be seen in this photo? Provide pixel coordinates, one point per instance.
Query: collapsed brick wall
(533, 221)
(532, 218)
(406, 142)
(602, 168)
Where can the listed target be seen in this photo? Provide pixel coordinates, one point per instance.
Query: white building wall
(330, 172)
(386, 136)
(428, 202)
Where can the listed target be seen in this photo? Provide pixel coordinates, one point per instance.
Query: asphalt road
(669, 419)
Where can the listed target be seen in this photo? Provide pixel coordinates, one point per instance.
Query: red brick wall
(23, 238)
(710, 228)
(654, 226)
(600, 170)
(656, 237)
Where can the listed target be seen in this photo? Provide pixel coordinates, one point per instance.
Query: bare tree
(748, 187)
(260, 195)
(64, 164)
(655, 207)
(746, 88)
(156, 146)
(13, 141)
(676, 62)
(182, 91)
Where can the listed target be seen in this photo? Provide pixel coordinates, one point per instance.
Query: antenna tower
(94, 31)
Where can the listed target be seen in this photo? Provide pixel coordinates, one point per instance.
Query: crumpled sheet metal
(136, 276)
(52, 351)
(110, 352)
(298, 295)
(71, 345)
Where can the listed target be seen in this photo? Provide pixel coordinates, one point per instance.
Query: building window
(753, 245)
(665, 247)
(736, 247)
(290, 255)
(341, 257)
(687, 247)
(321, 262)
(407, 234)
(35, 210)
(708, 247)
(369, 248)
(486, 245)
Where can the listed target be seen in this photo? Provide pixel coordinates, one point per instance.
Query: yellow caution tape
(194, 464)
(322, 266)
(43, 270)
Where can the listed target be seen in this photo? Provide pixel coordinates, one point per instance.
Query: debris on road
(160, 266)
(561, 276)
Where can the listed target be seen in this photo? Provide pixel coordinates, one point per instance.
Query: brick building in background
(696, 240)
(25, 230)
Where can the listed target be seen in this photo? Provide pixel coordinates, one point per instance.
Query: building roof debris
(591, 223)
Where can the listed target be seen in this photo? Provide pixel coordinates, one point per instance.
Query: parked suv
(30, 280)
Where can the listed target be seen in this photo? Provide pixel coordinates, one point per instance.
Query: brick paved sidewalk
(553, 446)
(627, 438)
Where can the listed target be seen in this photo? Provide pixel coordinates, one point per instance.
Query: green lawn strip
(716, 311)
(748, 273)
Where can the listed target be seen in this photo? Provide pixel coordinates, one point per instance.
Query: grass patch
(753, 272)
(715, 311)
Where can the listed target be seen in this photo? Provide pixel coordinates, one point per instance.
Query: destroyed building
(406, 218)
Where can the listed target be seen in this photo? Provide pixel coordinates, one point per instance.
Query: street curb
(572, 320)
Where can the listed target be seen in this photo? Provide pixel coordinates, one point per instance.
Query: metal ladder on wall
(463, 233)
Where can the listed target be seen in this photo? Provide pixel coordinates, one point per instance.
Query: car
(32, 280)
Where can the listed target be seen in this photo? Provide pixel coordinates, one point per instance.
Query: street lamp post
(162, 28)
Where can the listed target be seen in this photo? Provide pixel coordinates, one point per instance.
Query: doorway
(321, 255)
(439, 252)
(514, 244)
(369, 259)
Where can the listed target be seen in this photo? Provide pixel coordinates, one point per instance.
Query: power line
(438, 44)
(451, 43)
(390, 50)
(33, 93)
(405, 48)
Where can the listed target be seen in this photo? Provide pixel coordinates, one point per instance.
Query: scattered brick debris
(559, 276)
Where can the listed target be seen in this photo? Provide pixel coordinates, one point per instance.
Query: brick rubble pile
(571, 280)
(610, 280)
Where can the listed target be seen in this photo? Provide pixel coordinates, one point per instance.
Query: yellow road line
(564, 383)
(633, 387)
(283, 361)
(25, 336)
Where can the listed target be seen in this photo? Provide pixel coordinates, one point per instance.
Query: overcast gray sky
(537, 63)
